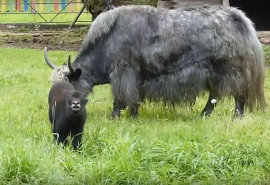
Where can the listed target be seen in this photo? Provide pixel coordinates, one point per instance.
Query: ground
(50, 36)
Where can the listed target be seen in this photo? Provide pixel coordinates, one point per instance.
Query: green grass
(160, 147)
(31, 18)
(267, 54)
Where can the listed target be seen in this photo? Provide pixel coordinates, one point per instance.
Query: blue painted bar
(63, 3)
(25, 7)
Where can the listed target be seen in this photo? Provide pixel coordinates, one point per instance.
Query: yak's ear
(74, 75)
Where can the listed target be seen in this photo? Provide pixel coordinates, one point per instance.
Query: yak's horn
(69, 65)
(47, 59)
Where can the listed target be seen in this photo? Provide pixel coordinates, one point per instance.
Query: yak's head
(66, 73)
(76, 103)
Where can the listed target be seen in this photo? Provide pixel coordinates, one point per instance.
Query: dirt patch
(17, 27)
(64, 40)
(54, 40)
(264, 37)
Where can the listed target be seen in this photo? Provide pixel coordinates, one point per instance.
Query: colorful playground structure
(44, 6)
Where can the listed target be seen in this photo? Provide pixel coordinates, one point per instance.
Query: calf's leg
(60, 131)
(61, 137)
(76, 137)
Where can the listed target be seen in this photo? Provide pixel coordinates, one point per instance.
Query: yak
(174, 55)
(67, 113)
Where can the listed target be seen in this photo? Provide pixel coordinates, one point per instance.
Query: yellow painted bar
(3, 6)
(78, 6)
(41, 6)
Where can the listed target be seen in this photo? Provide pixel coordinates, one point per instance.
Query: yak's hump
(102, 25)
(105, 21)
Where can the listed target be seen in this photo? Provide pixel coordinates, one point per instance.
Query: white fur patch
(213, 101)
(53, 115)
(59, 74)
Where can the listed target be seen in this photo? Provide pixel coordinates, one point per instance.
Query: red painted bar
(55, 5)
(18, 5)
(70, 6)
(33, 5)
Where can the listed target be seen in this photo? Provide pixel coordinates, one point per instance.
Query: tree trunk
(164, 4)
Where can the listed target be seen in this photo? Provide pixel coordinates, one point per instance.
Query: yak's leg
(239, 107)
(117, 107)
(134, 110)
(211, 103)
(125, 87)
(192, 102)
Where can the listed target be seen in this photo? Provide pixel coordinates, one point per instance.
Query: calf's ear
(86, 101)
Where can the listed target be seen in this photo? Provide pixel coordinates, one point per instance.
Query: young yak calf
(67, 113)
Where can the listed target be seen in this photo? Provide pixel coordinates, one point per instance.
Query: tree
(95, 7)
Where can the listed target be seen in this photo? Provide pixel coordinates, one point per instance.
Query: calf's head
(76, 103)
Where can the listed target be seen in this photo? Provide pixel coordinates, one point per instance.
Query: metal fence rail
(42, 8)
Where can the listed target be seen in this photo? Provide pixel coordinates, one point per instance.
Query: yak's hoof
(238, 114)
(134, 112)
(115, 114)
(205, 113)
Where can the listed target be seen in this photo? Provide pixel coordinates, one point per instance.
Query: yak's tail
(255, 74)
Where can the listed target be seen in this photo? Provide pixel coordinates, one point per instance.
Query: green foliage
(141, 2)
(161, 146)
(267, 54)
(98, 4)
(34, 18)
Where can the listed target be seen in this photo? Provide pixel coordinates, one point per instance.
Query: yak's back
(186, 16)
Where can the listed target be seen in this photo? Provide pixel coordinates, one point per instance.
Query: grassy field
(160, 147)
(32, 18)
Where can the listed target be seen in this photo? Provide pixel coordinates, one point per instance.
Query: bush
(95, 7)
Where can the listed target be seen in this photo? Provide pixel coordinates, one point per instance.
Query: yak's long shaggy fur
(173, 88)
(174, 53)
(102, 25)
(59, 74)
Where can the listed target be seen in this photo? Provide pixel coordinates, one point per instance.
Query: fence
(41, 7)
